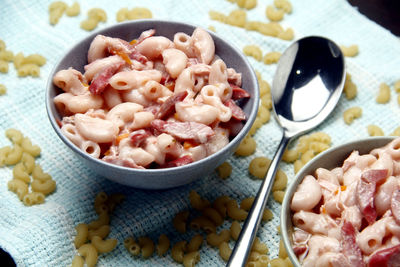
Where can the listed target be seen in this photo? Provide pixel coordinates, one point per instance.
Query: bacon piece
(238, 93)
(365, 198)
(237, 112)
(351, 250)
(168, 106)
(139, 137)
(375, 176)
(153, 108)
(366, 189)
(395, 204)
(195, 131)
(234, 126)
(184, 160)
(100, 81)
(298, 250)
(388, 257)
(136, 55)
(144, 35)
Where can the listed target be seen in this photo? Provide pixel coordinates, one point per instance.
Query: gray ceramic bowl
(328, 159)
(76, 57)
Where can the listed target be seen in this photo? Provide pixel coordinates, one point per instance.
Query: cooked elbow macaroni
(349, 214)
(164, 100)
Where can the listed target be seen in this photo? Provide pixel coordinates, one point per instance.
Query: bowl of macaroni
(343, 207)
(152, 104)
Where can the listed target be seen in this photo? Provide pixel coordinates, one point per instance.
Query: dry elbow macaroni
(349, 51)
(22, 155)
(374, 130)
(25, 66)
(238, 18)
(124, 14)
(224, 170)
(3, 89)
(272, 57)
(384, 94)
(56, 11)
(247, 4)
(351, 113)
(246, 147)
(162, 245)
(284, 5)
(350, 88)
(274, 14)
(308, 146)
(178, 250)
(253, 51)
(73, 10)
(95, 16)
(90, 238)
(179, 221)
(396, 132)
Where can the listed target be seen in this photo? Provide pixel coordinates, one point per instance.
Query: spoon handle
(243, 245)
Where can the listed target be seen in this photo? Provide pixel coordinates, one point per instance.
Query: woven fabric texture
(42, 235)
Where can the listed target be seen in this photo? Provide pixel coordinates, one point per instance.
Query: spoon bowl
(306, 88)
(307, 85)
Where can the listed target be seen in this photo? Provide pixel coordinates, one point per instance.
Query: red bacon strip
(100, 81)
(365, 198)
(139, 137)
(366, 189)
(238, 93)
(350, 248)
(136, 55)
(395, 204)
(168, 107)
(237, 112)
(375, 176)
(298, 250)
(195, 131)
(388, 257)
(184, 160)
(144, 35)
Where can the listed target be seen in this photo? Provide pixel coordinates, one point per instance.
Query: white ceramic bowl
(328, 159)
(76, 57)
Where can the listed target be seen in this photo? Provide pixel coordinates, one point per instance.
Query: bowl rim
(285, 208)
(234, 141)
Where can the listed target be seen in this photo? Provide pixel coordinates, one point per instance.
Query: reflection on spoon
(307, 85)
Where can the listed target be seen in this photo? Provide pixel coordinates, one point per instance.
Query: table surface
(383, 12)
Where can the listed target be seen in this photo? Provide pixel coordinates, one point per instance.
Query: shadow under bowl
(76, 57)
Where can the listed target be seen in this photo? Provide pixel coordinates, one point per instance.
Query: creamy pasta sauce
(152, 102)
(350, 215)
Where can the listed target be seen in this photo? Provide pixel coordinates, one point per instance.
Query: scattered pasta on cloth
(182, 225)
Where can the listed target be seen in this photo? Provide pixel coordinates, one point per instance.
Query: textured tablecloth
(43, 235)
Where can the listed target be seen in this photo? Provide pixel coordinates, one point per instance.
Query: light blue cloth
(43, 235)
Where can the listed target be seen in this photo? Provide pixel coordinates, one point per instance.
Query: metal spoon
(307, 85)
